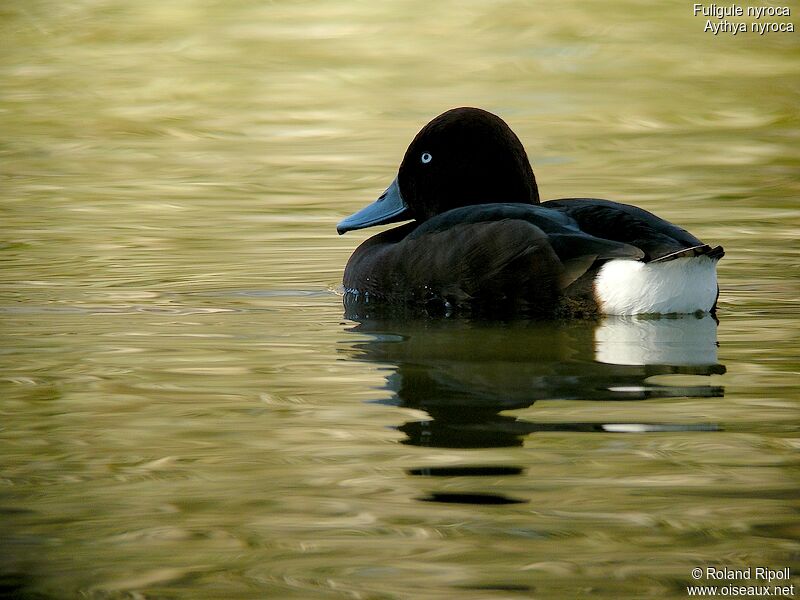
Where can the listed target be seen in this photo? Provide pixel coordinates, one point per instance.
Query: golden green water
(186, 413)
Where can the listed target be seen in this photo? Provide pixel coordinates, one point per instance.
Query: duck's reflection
(464, 375)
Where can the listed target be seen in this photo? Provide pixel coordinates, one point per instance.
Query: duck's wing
(659, 240)
(576, 248)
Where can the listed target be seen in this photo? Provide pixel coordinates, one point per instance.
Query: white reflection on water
(679, 340)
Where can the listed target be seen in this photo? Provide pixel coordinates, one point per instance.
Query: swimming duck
(481, 242)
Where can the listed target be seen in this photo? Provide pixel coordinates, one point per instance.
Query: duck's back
(656, 237)
(677, 273)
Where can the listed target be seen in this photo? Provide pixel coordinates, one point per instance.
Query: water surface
(187, 413)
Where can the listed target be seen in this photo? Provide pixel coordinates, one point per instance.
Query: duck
(479, 241)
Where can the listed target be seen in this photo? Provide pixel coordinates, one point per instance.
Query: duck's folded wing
(568, 239)
(660, 240)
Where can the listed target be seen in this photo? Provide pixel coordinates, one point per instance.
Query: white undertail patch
(683, 285)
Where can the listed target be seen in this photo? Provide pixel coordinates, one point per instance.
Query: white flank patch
(682, 285)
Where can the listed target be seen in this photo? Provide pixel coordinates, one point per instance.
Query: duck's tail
(714, 253)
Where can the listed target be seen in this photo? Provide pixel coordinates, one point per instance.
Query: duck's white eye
(426, 157)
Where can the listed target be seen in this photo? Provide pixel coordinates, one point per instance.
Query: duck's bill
(389, 208)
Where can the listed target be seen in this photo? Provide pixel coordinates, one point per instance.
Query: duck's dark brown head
(464, 156)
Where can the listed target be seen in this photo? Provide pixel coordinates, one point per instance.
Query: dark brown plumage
(480, 241)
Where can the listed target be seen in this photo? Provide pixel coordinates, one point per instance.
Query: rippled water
(188, 414)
